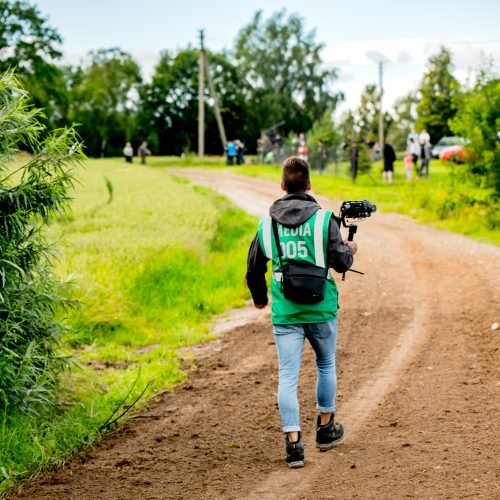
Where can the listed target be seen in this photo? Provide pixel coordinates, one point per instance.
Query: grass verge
(153, 259)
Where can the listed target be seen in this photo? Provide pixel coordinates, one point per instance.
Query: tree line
(272, 75)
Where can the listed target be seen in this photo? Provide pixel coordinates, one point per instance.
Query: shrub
(31, 191)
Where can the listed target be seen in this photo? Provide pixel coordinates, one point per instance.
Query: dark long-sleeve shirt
(291, 211)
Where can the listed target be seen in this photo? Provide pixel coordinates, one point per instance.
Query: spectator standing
(128, 152)
(389, 159)
(412, 135)
(424, 137)
(303, 150)
(278, 147)
(408, 165)
(144, 152)
(425, 160)
(240, 150)
(425, 153)
(414, 150)
(231, 152)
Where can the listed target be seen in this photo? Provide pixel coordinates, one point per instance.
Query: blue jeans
(290, 345)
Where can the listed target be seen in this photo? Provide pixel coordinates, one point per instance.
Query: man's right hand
(352, 245)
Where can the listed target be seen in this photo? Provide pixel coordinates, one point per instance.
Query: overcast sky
(405, 32)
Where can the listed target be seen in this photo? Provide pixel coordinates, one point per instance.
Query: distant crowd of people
(271, 148)
(143, 152)
(417, 156)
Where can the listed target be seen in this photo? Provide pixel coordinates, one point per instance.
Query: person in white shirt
(128, 152)
(424, 137)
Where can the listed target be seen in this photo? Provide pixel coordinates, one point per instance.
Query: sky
(404, 33)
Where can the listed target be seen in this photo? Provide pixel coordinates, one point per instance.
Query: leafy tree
(30, 193)
(404, 118)
(283, 68)
(367, 115)
(348, 125)
(104, 96)
(168, 118)
(438, 95)
(478, 119)
(363, 122)
(367, 112)
(26, 41)
(323, 139)
(31, 46)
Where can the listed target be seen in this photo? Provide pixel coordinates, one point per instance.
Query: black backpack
(301, 282)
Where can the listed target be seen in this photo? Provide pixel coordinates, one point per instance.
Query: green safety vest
(306, 243)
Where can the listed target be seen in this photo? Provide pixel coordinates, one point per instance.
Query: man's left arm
(256, 273)
(340, 254)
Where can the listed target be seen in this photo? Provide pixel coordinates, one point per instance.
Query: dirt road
(418, 369)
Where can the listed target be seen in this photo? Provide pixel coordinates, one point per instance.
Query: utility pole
(381, 117)
(218, 116)
(201, 97)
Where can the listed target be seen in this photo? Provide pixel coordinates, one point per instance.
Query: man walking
(308, 235)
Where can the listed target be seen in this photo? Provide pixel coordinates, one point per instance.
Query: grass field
(152, 259)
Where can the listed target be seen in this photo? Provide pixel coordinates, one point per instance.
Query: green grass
(153, 258)
(446, 201)
(189, 160)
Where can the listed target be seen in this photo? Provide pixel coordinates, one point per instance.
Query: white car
(446, 142)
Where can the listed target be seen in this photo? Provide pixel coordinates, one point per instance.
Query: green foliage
(404, 117)
(322, 138)
(363, 122)
(30, 193)
(151, 271)
(324, 130)
(30, 46)
(103, 100)
(478, 119)
(169, 104)
(438, 92)
(282, 64)
(27, 43)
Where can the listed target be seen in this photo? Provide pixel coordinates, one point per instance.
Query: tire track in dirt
(418, 391)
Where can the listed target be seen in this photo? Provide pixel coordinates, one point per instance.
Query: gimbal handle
(352, 231)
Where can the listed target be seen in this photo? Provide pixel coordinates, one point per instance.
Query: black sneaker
(328, 435)
(295, 453)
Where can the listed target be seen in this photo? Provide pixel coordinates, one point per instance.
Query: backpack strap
(277, 240)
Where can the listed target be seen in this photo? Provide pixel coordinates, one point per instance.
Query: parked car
(453, 153)
(446, 142)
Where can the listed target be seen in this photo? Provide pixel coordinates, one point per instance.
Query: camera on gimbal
(354, 210)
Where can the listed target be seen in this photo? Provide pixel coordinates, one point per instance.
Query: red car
(453, 153)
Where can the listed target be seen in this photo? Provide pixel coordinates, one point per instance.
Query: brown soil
(418, 388)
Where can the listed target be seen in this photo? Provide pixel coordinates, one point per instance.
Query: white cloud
(407, 63)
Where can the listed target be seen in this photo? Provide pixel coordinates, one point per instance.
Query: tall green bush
(479, 121)
(31, 192)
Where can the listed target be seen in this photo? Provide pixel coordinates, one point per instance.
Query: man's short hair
(295, 175)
